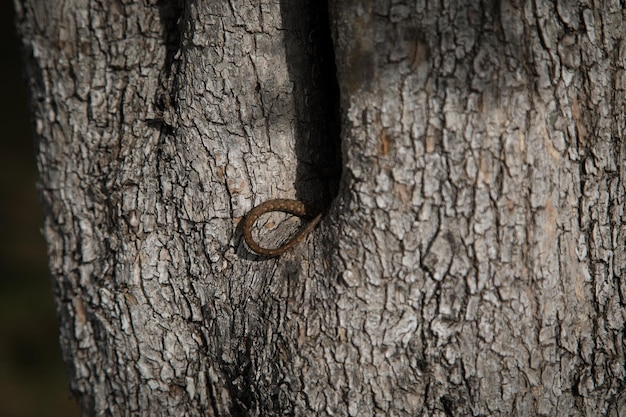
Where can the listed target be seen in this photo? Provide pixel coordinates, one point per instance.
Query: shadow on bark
(311, 65)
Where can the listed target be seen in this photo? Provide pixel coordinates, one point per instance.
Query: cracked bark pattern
(471, 264)
(483, 233)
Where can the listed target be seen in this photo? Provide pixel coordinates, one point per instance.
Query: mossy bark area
(471, 261)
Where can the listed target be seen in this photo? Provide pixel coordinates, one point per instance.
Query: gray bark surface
(472, 260)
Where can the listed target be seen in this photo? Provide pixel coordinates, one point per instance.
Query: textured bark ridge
(471, 261)
(483, 235)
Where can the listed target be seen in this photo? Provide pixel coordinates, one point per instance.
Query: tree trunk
(471, 262)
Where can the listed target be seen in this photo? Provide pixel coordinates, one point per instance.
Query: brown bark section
(484, 239)
(471, 264)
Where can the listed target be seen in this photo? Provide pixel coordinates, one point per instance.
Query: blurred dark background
(33, 381)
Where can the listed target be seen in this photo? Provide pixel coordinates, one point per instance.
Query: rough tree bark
(472, 260)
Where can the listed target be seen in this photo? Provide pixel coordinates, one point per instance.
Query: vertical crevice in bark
(171, 14)
(316, 100)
